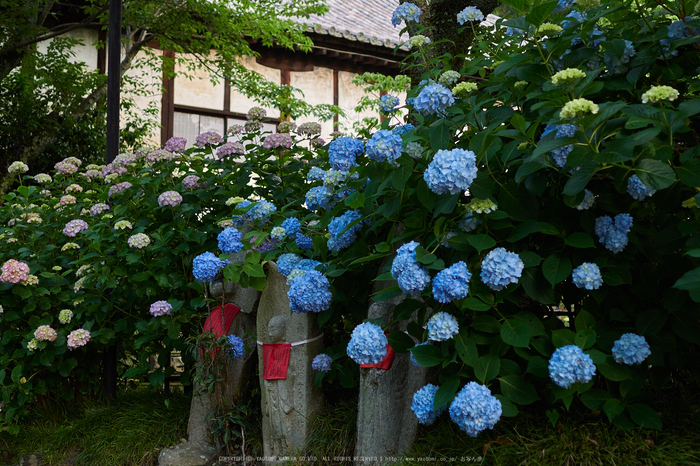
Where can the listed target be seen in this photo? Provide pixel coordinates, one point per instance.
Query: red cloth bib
(384, 363)
(218, 326)
(275, 360)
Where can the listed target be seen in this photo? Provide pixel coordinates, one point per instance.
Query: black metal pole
(113, 77)
(109, 361)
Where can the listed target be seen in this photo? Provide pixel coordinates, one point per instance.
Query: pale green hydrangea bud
(481, 206)
(18, 167)
(690, 203)
(123, 225)
(31, 346)
(56, 268)
(520, 84)
(234, 200)
(65, 316)
(463, 89)
(111, 177)
(657, 93)
(549, 29)
(418, 41)
(522, 145)
(69, 246)
(567, 76)
(577, 108)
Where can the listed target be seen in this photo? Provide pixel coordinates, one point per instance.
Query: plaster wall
(86, 52)
(317, 86)
(241, 103)
(194, 87)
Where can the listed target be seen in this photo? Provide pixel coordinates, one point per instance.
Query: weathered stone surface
(288, 405)
(386, 426)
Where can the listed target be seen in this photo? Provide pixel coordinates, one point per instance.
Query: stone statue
(386, 425)
(200, 449)
(289, 399)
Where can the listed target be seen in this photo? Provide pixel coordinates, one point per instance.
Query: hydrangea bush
(562, 182)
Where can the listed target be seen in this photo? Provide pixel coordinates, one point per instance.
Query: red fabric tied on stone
(275, 360)
(385, 363)
(219, 326)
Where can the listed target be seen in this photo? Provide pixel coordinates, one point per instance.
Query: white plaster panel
(317, 86)
(86, 53)
(349, 95)
(195, 89)
(150, 95)
(241, 103)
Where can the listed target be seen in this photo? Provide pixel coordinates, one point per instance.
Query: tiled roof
(365, 21)
(359, 20)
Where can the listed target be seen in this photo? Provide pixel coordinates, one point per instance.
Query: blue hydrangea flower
(367, 344)
(422, 405)
(237, 348)
(287, 262)
(384, 146)
(291, 226)
(338, 224)
(433, 98)
(637, 189)
(470, 13)
(413, 358)
(343, 151)
(475, 409)
(304, 242)
(587, 202)
(319, 197)
(403, 129)
(451, 283)
(205, 266)
(278, 233)
(569, 365)
(442, 326)
(260, 211)
(401, 263)
(451, 171)
(560, 154)
(407, 12)
(615, 64)
(240, 220)
(578, 17)
(310, 293)
(387, 103)
(630, 349)
(613, 234)
(322, 362)
(469, 222)
(587, 276)
(230, 240)
(315, 174)
(501, 268)
(563, 5)
(414, 279)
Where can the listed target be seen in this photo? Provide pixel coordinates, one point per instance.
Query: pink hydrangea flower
(119, 187)
(67, 199)
(14, 271)
(98, 208)
(74, 227)
(278, 140)
(210, 137)
(171, 198)
(65, 168)
(190, 181)
(175, 144)
(45, 333)
(160, 308)
(229, 148)
(78, 338)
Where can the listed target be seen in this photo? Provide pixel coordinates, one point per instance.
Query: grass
(133, 430)
(129, 432)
